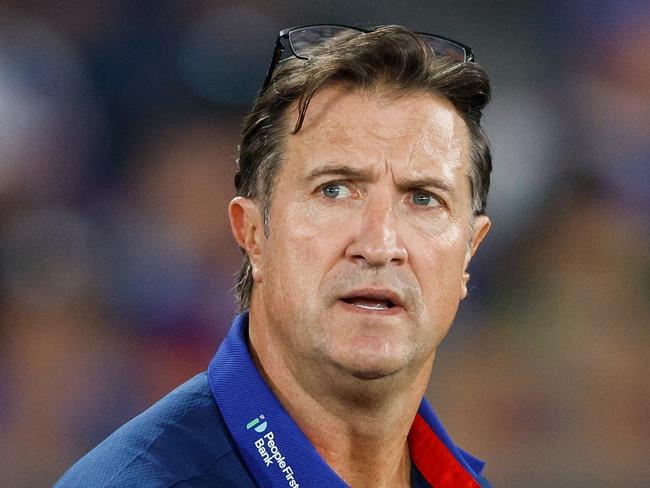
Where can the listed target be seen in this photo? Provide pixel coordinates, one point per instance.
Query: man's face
(369, 234)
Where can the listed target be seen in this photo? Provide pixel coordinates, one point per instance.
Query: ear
(247, 228)
(481, 227)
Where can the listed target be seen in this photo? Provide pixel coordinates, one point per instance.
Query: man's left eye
(423, 199)
(335, 190)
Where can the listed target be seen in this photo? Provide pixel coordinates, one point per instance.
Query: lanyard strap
(279, 455)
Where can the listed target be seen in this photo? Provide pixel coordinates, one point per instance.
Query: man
(362, 182)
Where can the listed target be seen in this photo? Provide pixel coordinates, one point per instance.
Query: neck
(358, 426)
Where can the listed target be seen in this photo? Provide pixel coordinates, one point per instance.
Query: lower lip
(370, 311)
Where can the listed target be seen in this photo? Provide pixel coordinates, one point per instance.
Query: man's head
(390, 56)
(362, 186)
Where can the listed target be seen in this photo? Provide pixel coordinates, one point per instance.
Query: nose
(377, 242)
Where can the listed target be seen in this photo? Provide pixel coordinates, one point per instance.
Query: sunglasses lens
(443, 47)
(304, 39)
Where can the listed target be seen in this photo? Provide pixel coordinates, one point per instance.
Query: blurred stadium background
(118, 131)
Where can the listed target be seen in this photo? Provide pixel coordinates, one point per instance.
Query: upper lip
(376, 294)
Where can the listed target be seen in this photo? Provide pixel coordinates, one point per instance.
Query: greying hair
(391, 57)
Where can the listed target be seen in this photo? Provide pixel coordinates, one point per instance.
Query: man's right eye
(335, 190)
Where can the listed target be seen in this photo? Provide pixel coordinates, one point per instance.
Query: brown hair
(391, 57)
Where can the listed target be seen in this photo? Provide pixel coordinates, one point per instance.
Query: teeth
(377, 306)
(366, 303)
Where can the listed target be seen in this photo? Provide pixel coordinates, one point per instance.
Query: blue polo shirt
(184, 441)
(181, 441)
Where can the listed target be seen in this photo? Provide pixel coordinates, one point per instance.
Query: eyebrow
(338, 170)
(364, 174)
(429, 182)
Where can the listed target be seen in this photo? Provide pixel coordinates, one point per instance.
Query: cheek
(304, 242)
(438, 264)
(302, 235)
(303, 247)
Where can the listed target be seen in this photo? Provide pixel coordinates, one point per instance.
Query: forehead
(412, 130)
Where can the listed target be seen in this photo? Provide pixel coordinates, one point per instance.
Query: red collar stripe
(434, 460)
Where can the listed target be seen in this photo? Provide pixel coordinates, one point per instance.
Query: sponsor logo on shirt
(269, 451)
(255, 424)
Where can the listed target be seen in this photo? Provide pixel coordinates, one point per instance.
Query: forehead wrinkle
(436, 139)
(341, 127)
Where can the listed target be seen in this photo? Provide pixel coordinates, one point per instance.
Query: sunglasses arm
(277, 53)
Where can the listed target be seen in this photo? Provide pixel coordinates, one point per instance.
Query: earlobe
(247, 229)
(481, 227)
(463, 285)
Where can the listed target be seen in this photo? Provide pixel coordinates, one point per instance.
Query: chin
(371, 366)
(369, 354)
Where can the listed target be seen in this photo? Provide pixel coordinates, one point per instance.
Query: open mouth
(370, 303)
